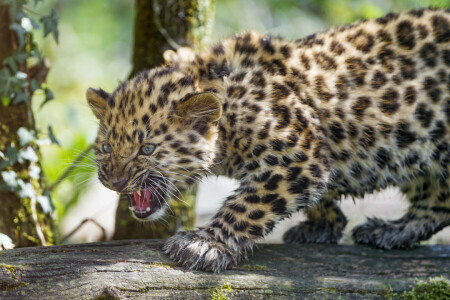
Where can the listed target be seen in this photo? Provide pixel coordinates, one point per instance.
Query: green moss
(254, 267)
(221, 293)
(268, 292)
(11, 270)
(433, 289)
(168, 266)
(6, 286)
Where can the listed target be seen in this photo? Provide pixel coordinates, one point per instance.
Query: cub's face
(156, 137)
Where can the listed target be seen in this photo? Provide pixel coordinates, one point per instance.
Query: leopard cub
(299, 123)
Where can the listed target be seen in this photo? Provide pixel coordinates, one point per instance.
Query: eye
(106, 148)
(148, 149)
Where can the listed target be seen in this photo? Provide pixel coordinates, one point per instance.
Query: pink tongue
(143, 201)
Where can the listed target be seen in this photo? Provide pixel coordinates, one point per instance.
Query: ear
(183, 55)
(97, 100)
(204, 106)
(170, 57)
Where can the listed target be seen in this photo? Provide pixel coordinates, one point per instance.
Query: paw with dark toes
(198, 250)
(385, 235)
(308, 232)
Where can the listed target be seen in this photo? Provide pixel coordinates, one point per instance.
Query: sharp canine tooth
(148, 209)
(131, 208)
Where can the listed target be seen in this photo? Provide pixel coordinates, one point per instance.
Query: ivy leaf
(11, 157)
(21, 75)
(20, 97)
(27, 154)
(5, 242)
(20, 57)
(48, 96)
(52, 136)
(10, 180)
(46, 203)
(34, 23)
(7, 82)
(34, 85)
(43, 142)
(34, 172)
(6, 100)
(21, 32)
(26, 189)
(51, 25)
(25, 136)
(11, 63)
(28, 24)
(15, 7)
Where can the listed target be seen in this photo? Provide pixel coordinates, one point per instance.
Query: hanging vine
(23, 74)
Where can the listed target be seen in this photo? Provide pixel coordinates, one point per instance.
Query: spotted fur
(299, 123)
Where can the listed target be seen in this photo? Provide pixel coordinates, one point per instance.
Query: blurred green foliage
(94, 50)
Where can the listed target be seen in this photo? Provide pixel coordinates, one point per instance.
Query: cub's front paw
(199, 250)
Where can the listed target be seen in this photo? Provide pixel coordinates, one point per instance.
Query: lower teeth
(148, 209)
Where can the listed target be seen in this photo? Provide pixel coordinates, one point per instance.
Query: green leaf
(34, 85)
(34, 23)
(26, 189)
(51, 25)
(25, 136)
(34, 172)
(6, 100)
(21, 32)
(21, 57)
(46, 204)
(7, 82)
(27, 154)
(20, 97)
(15, 7)
(21, 75)
(11, 63)
(10, 179)
(48, 96)
(11, 157)
(5, 242)
(52, 136)
(2, 155)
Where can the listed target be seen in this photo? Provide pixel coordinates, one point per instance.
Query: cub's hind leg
(429, 212)
(324, 225)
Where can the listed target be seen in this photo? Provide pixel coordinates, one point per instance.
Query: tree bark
(166, 24)
(23, 220)
(161, 25)
(137, 269)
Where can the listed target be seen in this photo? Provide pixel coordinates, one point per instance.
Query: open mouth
(147, 202)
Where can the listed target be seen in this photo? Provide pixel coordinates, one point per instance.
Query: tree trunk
(161, 25)
(22, 219)
(137, 269)
(166, 24)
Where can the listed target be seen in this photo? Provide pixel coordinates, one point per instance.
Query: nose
(120, 184)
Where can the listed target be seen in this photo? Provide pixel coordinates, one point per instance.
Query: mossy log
(137, 269)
